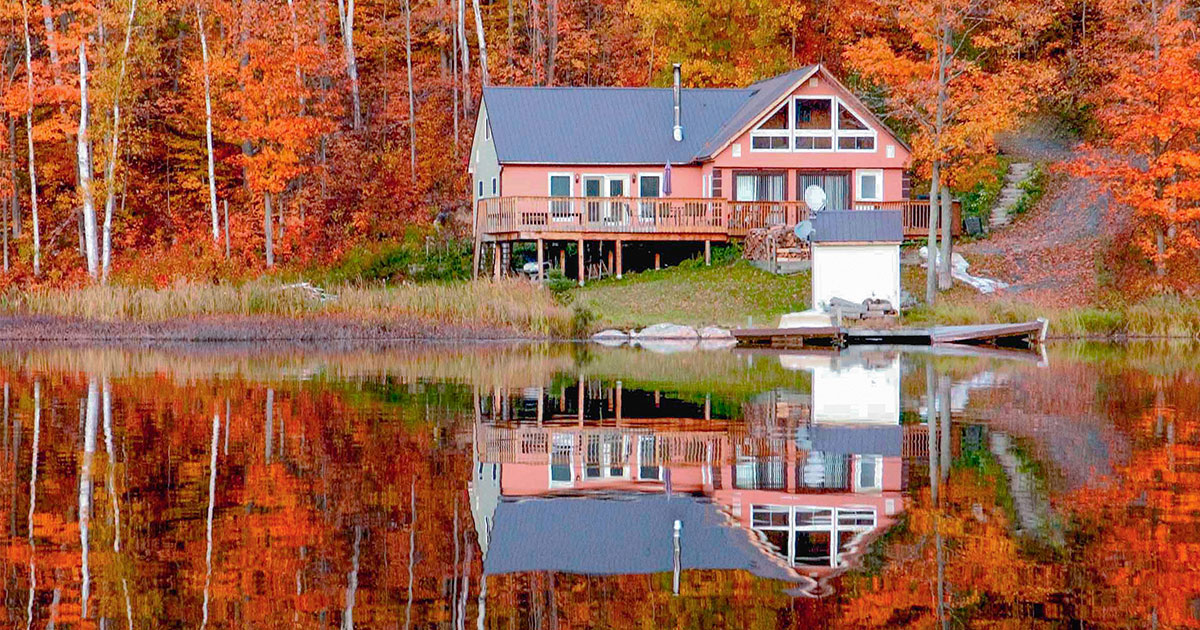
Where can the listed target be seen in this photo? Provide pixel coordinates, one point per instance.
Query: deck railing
(673, 215)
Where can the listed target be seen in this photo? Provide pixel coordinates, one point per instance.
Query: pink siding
(534, 180)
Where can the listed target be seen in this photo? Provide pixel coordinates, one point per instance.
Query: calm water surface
(585, 487)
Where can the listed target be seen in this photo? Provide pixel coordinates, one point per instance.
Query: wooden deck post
(541, 257)
(582, 270)
(620, 269)
(610, 261)
(562, 260)
(496, 260)
(657, 261)
(707, 252)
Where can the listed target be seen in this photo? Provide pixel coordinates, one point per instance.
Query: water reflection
(596, 477)
(544, 486)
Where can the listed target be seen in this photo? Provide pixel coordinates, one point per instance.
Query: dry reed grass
(515, 305)
(1166, 317)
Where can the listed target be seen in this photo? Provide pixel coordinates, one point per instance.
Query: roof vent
(677, 132)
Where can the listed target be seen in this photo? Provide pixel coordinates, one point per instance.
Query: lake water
(576, 486)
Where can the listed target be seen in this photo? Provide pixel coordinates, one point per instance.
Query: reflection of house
(774, 493)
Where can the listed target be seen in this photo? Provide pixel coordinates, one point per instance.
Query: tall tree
(208, 129)
(1148, 107)
(83, 160)
(346, 19)
(110, 164)
(954, 71)
(33, 193)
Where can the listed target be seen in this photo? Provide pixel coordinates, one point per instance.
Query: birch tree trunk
(15, 205)
(466, 55)
(208, 532)
(412, 110)
(945, 279)
(346, 17)
(110, 453)
(51, 41)
(484, 79)
(944, 58)
(110, 166)
(208, 131)
(454, 80)
(84, 163)
(931, 247)
(85, 488)
(33, 198)
(268, 231)
(33, 474)
(296, 51)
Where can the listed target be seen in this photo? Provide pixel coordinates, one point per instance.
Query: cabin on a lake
(626, 176)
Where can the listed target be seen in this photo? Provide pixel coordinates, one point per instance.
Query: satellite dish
(804, 230)
(814, 197)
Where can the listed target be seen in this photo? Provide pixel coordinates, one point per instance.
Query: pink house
(667, 169)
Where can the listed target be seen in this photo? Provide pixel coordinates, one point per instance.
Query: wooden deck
(675, 218)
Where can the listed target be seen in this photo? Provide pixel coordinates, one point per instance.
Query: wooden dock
(1019, 335)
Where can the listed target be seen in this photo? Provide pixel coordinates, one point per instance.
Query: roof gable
(605, 125)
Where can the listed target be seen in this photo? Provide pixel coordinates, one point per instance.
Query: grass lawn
(730, 294)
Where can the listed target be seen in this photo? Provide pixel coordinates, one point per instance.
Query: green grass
(730, 294)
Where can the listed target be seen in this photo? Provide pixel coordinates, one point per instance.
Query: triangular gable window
(848, 121)
(778, 120)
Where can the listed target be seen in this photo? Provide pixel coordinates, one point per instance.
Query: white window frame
(815, 133)
(830, 523)
(642, 216)
(487, 129)
(869, 132)
(570, 215)
(785, 133)
(834, 133)
(566, 440)
(495, 187)
(858, 187)
(878, 477)
(653, 440)
(479, 189)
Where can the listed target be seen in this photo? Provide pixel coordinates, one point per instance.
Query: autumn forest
(154, 139)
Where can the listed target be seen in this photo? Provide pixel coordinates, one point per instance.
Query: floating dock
(1020, 335)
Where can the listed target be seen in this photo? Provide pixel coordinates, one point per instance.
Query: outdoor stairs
(1010, 194)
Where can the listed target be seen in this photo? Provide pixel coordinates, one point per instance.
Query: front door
(618, 208)
(593, 188)
(560, 186)
(649, 187)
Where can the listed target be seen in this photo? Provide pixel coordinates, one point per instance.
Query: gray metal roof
(857, 226)
(601, 125)
(877, 440)
(629, 534)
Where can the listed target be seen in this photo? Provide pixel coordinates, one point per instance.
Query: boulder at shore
(715, 332)
(666, 331)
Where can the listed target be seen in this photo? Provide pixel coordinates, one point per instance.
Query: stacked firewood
(774, 243)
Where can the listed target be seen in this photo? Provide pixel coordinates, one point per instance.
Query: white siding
(855, 272)
(857, 394)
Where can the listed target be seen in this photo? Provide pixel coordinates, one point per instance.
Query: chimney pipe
(678, 130)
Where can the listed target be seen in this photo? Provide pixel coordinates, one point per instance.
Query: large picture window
(813, 123)
(759, 187)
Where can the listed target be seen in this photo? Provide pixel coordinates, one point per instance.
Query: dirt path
(1051, 254)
